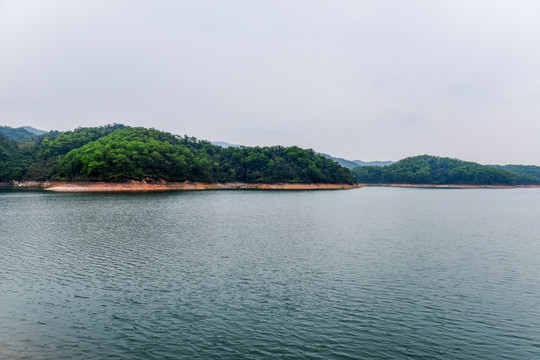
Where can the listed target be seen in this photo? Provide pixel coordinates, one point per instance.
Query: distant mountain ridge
(34, 130)
(351, 164)
(20, 133)
(224, 144)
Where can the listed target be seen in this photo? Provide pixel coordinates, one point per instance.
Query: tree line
(119, 153)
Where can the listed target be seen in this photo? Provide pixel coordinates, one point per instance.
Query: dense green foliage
(118, 153)
(59, 143)
(138, 153)
(52, 146)
(435, 170)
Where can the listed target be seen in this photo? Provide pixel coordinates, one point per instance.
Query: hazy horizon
(354, 79)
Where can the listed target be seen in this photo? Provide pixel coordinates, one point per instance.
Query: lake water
(372, 273)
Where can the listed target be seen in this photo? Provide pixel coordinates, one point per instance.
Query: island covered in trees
(118, 153)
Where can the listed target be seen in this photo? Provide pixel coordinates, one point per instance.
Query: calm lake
(372, 273)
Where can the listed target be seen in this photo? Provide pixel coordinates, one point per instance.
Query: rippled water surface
(372, 273)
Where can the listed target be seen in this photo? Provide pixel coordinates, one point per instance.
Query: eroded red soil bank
(162, 186)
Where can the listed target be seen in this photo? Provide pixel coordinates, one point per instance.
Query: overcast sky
(368, 80)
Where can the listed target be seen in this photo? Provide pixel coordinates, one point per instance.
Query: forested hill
(120, 153)
(21, 133)
(426, 169)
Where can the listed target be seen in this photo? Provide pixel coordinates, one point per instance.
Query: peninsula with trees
(119, 154)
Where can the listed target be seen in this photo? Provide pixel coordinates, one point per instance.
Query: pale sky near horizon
(358, 79)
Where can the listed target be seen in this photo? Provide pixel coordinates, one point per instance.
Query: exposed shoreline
(456, 186)
(138, 186)
(64, 186)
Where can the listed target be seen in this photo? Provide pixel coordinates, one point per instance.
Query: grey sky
(369, 80)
